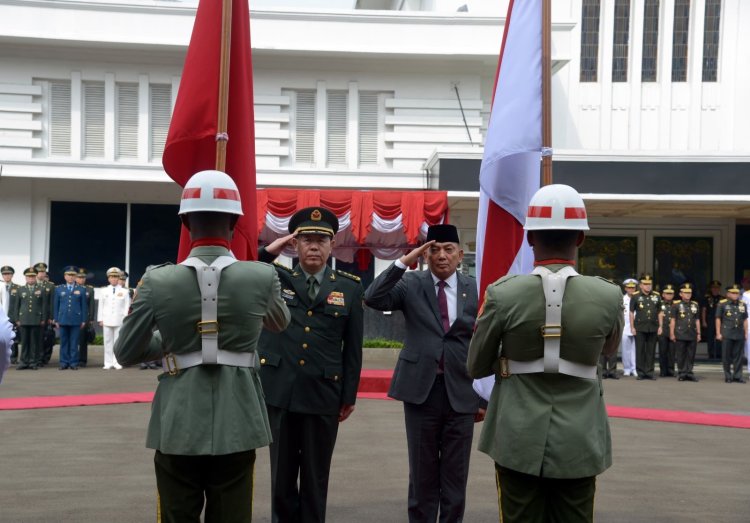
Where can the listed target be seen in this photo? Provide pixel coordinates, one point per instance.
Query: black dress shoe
(22, 367)
(639, 378)
(727, 380)
(681, 378)
(614, 376)
(652, 378)
(691, 378)
(73, 367)
(740, 380)
(143, 366)
(63, 367)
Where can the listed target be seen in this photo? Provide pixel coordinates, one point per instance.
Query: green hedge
(382, 343)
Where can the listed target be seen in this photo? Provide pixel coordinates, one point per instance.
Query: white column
(76, 115)
(695, 70)
(352, 137)
(634, 72)
(606, 33)
(733, 60)
(664, 72)
(109, 116)
(321, 125)
(144, 121)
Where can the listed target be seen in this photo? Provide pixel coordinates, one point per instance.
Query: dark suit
(83, 339)
(308, 372)
(439, 409)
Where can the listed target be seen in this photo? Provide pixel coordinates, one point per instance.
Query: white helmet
(211, 191)
(556, 207)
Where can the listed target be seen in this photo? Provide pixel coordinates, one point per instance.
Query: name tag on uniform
(37, 293)
(76, 292)
(287, 294)
(742, 308)
(62, 293)
(336, 298)
(119, 294)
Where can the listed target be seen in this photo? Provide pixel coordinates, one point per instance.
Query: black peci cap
(442, 233)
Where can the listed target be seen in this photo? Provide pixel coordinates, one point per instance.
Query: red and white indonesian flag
(510, 170)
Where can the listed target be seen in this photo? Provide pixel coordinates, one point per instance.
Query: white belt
(565, 367)
(174, 363)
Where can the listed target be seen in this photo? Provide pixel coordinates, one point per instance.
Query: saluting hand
(279, 244)
(412, 258)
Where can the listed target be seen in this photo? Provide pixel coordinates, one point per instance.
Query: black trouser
(14, 347)
(609, 365)
(645, 349)
(47, 343)
(666, 356)
(224, 482)
(732, 353)
(439, 444)
(83, 346)
(302, 448)
(531, 499)
(685, 350)
(712, 345)
(30, 335)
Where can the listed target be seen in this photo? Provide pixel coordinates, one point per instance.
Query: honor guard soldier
(70, 315)
(8, 292)
(83, 341)
(666, 345)
(208, 415)
(731, 330)
(708, 319)
(47, 340)
(29, 313)
(644, 320)
(310, 372)
(547, 428)
(684, 331)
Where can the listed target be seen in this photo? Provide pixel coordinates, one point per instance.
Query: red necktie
(443, 305)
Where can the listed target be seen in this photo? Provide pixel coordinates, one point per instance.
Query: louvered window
(621, 41)
(59, 118)
(127, 121)
(711, 40)
(369, 127)
(93, 120)
(337, 118)
(650, 40)
(160, 107)
(680, 40)
(304, 127)
(590, 10)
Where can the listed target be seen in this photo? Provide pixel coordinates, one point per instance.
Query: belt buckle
(551, 331)
(207, 327)
(171, 363)
(504, 368)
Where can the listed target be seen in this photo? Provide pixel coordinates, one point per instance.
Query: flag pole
(221, 124)
(546, 92)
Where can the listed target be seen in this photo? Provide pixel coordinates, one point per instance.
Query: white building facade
(650, 121)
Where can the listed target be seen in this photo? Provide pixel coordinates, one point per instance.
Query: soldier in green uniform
(8, 292)
(83, 339)
(684, 331)
(310, 372)
(29, 313)
(731, 330)
(644, 321)
(708, 317)
(47, 339)
(666, 345)
(208, 415)
(546, 427)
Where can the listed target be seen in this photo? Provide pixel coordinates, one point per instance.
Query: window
(93, 119)
(589, 40)
(711, 40)
(650, 40)
(160, 107)
(304, 127)
(621, 41)
(337, 117)
(59, 118)
(680, 40)
(126, 124)
(369, 128)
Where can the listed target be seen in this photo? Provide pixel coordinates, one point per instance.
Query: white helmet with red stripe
(556, 207)
(210, 191)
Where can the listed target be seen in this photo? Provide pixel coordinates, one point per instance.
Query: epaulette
(654, 293)
(693, 301)
(347, 275)
(502, 280)
(165, 264)
(636, 293)
(281, 266)
(608, 281)
(724, 300)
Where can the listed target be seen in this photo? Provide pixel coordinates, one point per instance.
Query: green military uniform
(30, 313)
(83, 340)
(546, 425)
(684, 327)
(47, 339)
(646, 322)
(666, 345)
(732, 318)
(10, 291)
(204, 411)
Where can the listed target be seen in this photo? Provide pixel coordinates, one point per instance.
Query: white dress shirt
(451, 291)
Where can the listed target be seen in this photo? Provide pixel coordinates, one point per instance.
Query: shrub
(382, 343)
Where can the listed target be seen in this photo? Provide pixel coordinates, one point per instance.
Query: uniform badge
(76, 292)
(336, 298)
(119, 294)
(729, 314)
(287, 294)
(640, 305)
(742, 307)
(62, 293)
(37, 293)
(654, 299)
(316, 215)
(694, 309)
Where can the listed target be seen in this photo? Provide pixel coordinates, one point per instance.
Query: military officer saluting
(666, 345)
(644, 320)
(731, 330)
(684, 331)
(29, 313)
(310, 372)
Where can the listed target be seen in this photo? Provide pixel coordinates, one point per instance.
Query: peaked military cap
(442, 233)
(82, 273)
(7, 269)
(630, 283)
(735, 287)
(715, 283)
(30, 271)
(113, 271)
(123, 275)
(668, 288)
(686, 287)
(314, 220)
(40, 267)
(646, 278)
(70, 269)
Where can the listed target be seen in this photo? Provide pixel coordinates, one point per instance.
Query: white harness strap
(553, 284)
(208, 277)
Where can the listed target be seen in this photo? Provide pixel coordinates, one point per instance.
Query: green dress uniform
(309, 372)
(708, 309)
(83, 340)
(732, 315)
(30, 314)
(646, 310)
(206, 420)
(685, 314)
(47, 339)
(12, 290)
(540, 426)
(666, 345)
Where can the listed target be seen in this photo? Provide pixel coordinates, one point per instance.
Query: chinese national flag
(191, 141)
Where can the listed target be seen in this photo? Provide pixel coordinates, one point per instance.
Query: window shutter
(337, 122)
(93, 120)
(59, 118)
(127, 121)
(368, 128)
(304, 127)
(160, 107)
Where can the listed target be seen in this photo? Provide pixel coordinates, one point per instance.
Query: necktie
(311, 283)
(113, 290)
(70, 288)
(443, 305)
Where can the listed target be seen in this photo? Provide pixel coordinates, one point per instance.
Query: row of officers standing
(38, 307)
(676, 326)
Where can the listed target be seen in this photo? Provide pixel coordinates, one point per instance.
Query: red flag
(191, 142)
